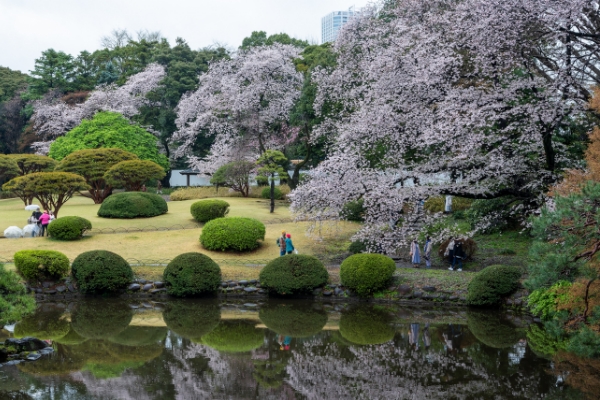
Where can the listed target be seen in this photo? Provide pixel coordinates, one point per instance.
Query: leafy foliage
(38, 265)
(358, 246)
(108, 130)
(544, 302)
(366, 326)
(238, 234)
(133, 205)
(491, 330)
(69, 228)
(492, 215)
(270, 164)
(192, 320)
(192, 274)
(234, 175)
(43, 326)
(8, 167)
(101, 271)
(293, 274)
(234, 337)
(30, 163)
(206, 210)
(14, 301)
(354, 211)
(92, 164)
(437, 204)
(101, 318)
(131, 175)
(266, 193)
(493, 283)
(293, 319)
(367, 273)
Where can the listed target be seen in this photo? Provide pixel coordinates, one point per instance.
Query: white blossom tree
(244, 103)
(57, 118)
(467, 98)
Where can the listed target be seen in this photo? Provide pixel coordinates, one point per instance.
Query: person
(33, 222)
(159, 187)
(427, 251)
(144, 188)
(281, 243)
(426, 336)
(448, 205)
(413, 336)
(289, 246)
(38, 225)
(449, 252)
(415, 253)
(52, 217)
(459, 254)
(45, 220)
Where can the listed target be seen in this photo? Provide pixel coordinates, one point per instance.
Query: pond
(206, 349)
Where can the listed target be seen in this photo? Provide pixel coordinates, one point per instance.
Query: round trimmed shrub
(234, 337)
(69, 228)
(192, 274)
(192, 320)
(101, 271)
(366, 325)
(133, 205)
(137, 336)
(101, 318)
(206, 210)
(491, 330)
(293, 274)
(357, 247)
(37, 265)
(367, 273)
(291, 319)
(493, 283)
(71, 338)
(239, 234)
(266, 193)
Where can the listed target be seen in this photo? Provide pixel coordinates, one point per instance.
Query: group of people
(454, 253)
(286, 246)
(40, 221)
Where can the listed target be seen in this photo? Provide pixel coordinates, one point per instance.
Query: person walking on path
(459, 254)
(289, 246)
(415, 253)
(44, 220)
(450, 253)
(427, 252)
(281, 244)
(159, 187)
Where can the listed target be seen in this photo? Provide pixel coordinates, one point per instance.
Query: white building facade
(333, 22)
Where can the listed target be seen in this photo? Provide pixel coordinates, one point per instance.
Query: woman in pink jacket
(44, 220)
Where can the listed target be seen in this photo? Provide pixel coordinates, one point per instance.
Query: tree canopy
(131, 175)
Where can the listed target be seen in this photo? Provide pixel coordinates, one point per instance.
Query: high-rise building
(333, 22)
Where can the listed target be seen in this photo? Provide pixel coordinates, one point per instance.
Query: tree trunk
(272, 193)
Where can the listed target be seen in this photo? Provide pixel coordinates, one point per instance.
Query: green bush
(367, 273)
(266, 193)
(293, 319)
(133, 205)
(234, 337)
(293, 274)
(492, 330)
(43, 325)
(14, 302)
(192, 319)
(357, 247)
(354, 211)
(543, 343)
(206, 210)
(192, 274)
(494, 211)
(366, 325)
(101, 271)
(101, 318)
(262, 180)
(493, 283)
(38, 265)
(239, 234)
(543, 302)
(69, 228)
(137, 336)
(71, 338)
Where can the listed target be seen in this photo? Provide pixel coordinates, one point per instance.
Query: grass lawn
(448, 280)
(147, 249)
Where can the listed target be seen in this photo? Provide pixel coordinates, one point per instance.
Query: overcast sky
(28, 27)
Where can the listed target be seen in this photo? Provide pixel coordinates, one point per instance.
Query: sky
(28, 27)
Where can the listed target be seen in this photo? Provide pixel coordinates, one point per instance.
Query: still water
(203, 349)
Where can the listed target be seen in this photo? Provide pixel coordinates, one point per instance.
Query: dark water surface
(202, 349)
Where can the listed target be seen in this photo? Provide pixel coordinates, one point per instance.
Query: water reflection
(279, 350)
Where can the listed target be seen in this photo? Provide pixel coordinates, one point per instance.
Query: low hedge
(206, 210)
(101, 271)
(367, 273)
(293, 319)
(69, 228)
(192, 319)
(238, 234)
(192, 274)
(366, 325)
(493, 283)
(234, 337)
(293, 274)
(101, 318)
(133, 205)
(266, 193)
(38, 265)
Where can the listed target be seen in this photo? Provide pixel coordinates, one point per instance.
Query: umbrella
(32, 207)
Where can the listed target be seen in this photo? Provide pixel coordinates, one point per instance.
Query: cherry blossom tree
(244, 103)
(472, 98)
(56, 118)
